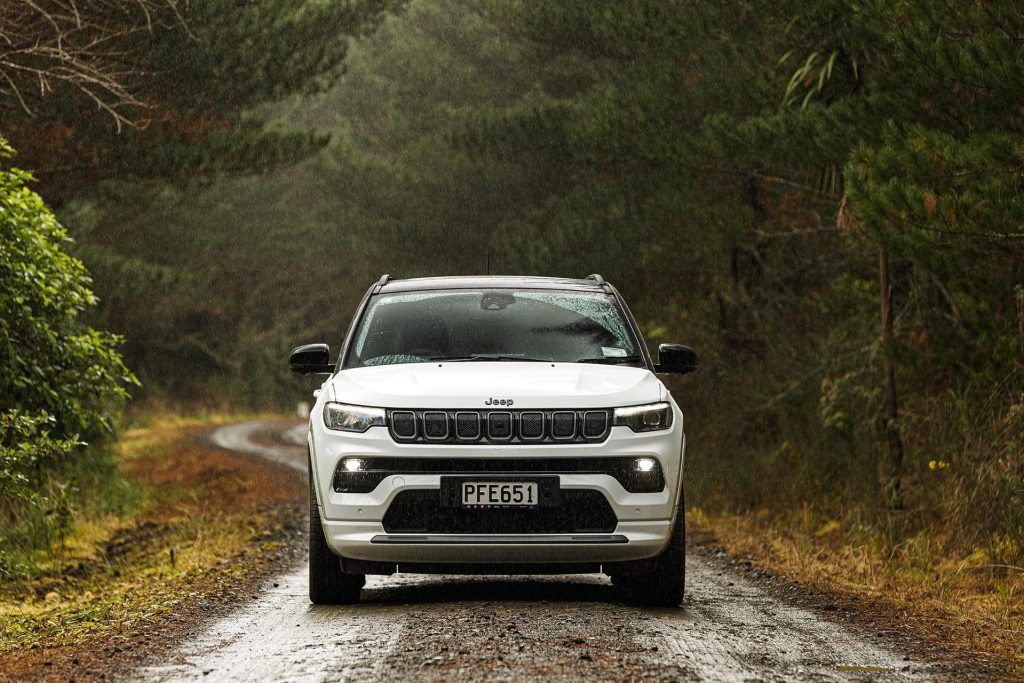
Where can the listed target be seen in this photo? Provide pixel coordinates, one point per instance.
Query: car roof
(593, 283)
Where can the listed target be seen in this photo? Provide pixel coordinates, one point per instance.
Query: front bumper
(368, 541)
(353, 522)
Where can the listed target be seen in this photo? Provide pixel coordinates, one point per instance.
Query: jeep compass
(495, 425)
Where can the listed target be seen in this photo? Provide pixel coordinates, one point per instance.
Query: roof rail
(384, 279)
(601, 282)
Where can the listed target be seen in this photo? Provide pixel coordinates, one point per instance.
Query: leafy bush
(61, 381)
(50, 363)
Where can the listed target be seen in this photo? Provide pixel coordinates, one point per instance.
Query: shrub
(61, 382)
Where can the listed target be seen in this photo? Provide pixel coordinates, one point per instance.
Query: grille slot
(420, 512)
(403, 424)
(531, 426)
(467, 426)
(563, 425)
(435, 425)
(595, 422)
(499, 426)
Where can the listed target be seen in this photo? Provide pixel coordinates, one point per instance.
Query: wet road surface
(412, 627)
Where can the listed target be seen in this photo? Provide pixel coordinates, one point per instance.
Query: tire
(659, 581)
(328, 584)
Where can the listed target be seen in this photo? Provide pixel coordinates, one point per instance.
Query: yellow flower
(931, 464)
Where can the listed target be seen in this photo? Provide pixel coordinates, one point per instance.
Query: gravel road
(411, 627)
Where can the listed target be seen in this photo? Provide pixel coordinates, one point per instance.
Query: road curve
(410, 627)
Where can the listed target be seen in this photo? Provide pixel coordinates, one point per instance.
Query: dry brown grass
(967, 603)
(208, 519)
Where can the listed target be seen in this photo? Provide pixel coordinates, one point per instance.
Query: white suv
(495, 425)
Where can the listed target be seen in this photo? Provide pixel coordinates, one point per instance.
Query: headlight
(347, 418)
(644, 418)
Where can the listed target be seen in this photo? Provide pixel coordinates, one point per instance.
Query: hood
(473, 384)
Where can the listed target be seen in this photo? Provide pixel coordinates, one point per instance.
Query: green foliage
(52, 365)
(60, 380)
(25, 447)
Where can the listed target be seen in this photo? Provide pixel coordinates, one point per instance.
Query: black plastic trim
(499, 539)
(377, 469)
(351, 566)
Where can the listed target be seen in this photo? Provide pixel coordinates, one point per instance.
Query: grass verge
(199, 519)
(966, 603)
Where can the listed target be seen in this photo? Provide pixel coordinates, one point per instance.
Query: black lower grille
(420, 512)
(373, 471)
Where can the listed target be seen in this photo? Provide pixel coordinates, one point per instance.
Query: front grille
(421, 512)
(499, 426)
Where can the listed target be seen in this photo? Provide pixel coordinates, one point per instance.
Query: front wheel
(328, 584)
(659, 581)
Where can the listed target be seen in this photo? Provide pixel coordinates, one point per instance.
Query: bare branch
(91, 47)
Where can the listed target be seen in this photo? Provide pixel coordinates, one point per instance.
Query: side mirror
(311, 359)
(676, 358)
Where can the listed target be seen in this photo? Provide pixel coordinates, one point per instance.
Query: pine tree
(187, 92)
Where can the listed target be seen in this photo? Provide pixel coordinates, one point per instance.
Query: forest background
(823, 198)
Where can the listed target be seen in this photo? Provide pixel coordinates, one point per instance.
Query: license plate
(500, 493)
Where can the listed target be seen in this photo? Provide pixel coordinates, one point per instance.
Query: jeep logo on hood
(498, 402)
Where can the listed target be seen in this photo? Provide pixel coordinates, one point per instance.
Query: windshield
(493, 325)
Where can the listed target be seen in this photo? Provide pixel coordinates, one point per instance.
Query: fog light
(640, 475)
(645, 464)
(358, 475)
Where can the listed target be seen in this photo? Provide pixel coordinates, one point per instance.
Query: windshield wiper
(612, 360)
(469, 359)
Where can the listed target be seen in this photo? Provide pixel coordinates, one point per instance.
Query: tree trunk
(894, 467)
(1018, 293)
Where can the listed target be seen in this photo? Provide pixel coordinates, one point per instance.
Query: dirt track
(522, 628)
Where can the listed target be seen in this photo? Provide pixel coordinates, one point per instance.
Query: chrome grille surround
(461, 426)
